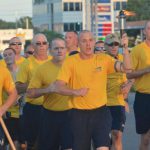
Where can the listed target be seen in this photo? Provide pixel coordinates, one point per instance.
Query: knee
(116, 135)
(146, 139)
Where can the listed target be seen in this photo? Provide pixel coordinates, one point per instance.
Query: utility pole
(27, 23)
(16, 16)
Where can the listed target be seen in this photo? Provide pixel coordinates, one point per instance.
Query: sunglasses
(41, 43)
(99, 49)
(113, 44)
(30, 52)
(14, 44)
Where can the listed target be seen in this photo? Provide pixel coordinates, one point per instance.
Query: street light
(122, 22)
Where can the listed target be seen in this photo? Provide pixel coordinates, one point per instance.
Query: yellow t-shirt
(43, 77)
(18, 62)
(115, 80)
(140, 56)
(14, 110)
(25, 73)
(6, 82)
(88, 73)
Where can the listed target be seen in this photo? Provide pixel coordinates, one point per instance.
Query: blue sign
(104, 18)
(103, 1)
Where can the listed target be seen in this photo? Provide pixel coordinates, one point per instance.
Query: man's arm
(138, 73)
(126, 65)
(12, 97)
(21, 87)
(59, 87)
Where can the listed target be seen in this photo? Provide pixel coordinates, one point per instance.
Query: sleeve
(65, 71)
(134, 58)
(23, 72)
(8, 83)
(36, 80)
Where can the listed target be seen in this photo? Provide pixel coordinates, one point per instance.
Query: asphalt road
(130, 138)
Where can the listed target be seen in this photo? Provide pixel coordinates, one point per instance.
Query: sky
(11, 10)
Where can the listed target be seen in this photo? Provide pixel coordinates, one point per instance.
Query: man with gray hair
(16, 44)
(32, 109)
(55, 127)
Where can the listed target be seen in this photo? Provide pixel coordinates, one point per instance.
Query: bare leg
(116, 140)
(145, 141)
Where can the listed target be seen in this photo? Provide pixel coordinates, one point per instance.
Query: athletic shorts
(55, 130)
(91, 125)
(118, 117)
(12, 125)
(22, 129)
(32, 118)
(2, 138)
(142, 112)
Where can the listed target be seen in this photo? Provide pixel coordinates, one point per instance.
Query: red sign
(103, 9)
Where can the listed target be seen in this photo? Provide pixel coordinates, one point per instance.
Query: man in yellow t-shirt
(16, 44)
(12, 114)
(83, 77)
(115, 95)
(32, 108)
(71, 39)
(6, 84)
(54, 119)
(140, 55)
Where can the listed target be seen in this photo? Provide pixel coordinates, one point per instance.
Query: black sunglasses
(14, 44)
(41, 43)
(113, 44)
(99, 49)
(30, 52)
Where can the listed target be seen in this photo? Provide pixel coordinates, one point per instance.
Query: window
(72, 27)
(77, 6)
(124, 5)
(65, 6)
(78, 26)
(66, 27)
(71, 6)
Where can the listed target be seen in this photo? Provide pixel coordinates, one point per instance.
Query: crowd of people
(72, 93)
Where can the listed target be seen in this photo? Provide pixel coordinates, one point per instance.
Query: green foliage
(7, 25)
(141, 8)
(21, 23)
(51, 35)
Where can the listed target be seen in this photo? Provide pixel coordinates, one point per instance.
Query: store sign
(103, 1)
(104, 18)
(103, 9)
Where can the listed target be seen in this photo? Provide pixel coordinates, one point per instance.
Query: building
(64, 15)
(57, 15)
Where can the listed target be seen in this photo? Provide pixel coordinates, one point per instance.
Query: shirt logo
(98, 68)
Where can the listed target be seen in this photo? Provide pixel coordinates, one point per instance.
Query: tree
(21, 23)
(51, 35)
(141, 8)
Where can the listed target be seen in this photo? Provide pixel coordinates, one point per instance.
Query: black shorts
(12, 125)
(118, 117)
(55, 130)
(32, 118)
(2, 138)
(22, 130)
(142, 112)
(90, 125)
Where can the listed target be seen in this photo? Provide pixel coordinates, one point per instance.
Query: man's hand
(124, 40)
(127, 109)
(125, 89)
(2, 111)
(80, 92)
